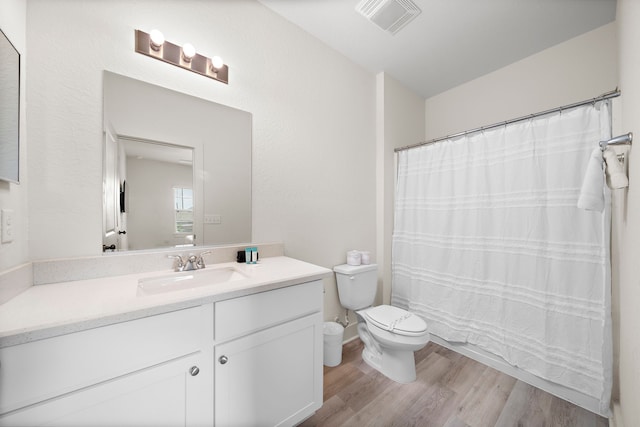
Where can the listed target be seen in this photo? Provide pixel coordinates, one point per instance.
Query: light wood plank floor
(451, 391)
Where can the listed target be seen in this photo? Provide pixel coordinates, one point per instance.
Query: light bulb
(216, 63)
(188, 52)
(157, 39)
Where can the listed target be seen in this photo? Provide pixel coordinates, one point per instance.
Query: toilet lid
(396, 320)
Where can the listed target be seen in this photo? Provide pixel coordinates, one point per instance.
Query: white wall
(628, 16)
(401, 121)
(13, 15)
(151, 215)
(313, 120)
(400, 118)
(581, 68)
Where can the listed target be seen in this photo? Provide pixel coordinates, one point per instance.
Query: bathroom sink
(188, 280)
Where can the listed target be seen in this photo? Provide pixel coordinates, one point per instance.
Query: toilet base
(390, 354)
(400, 366)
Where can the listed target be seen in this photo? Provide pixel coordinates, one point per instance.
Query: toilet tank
(357, 285)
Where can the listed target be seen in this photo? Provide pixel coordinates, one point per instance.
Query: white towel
(591, 194)
(616, 178)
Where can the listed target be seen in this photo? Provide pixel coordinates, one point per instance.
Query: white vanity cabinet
(149, 371)
(268, 357)
(252, 360)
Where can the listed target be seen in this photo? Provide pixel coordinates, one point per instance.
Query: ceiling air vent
(390, 15)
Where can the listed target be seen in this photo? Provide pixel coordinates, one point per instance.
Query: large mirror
(176, 169)
(9, 111)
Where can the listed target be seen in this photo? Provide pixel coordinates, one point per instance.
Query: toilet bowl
(394, 335)
(390, 334)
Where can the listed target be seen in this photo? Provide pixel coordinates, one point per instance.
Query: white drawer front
(151, 397)
(39, 370)
(240, 316)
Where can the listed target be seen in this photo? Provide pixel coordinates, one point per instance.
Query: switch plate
(7, 225)
(213, 219)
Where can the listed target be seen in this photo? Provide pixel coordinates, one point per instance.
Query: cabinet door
(270, 378)
(164, 395)
(44, 369)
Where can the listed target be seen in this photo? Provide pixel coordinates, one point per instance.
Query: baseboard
(350, 333)
(348, 340)
(616, 418)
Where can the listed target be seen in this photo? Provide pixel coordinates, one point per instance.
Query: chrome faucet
(193, 262)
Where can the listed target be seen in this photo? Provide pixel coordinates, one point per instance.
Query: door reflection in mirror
(157, 179)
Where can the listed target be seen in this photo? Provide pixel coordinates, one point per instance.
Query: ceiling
(451, 41)
(152, 150)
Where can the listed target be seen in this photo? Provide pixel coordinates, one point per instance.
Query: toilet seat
(396, 320)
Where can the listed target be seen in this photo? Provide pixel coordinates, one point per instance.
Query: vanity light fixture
(154, 45)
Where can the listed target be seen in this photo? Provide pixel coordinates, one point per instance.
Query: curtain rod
(613, 94)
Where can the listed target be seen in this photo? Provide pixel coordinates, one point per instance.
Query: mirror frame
(10, 150)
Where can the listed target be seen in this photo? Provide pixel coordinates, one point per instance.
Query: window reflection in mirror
(183, 198)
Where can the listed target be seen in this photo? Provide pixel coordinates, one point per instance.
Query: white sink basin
(188, 280)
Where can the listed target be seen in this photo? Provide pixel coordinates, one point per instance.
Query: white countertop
(44, 311)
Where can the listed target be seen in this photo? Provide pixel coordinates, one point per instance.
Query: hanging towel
(591, 194)
(616, 178)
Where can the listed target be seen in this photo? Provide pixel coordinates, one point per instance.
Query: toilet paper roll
(365, 257)
(354, 258)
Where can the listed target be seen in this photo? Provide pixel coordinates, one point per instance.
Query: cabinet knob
(194, 371)
(223, 360)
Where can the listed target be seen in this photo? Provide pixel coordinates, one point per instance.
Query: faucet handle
(179, 261)
(200, 261)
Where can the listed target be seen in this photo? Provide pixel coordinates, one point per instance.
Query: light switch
(213, 219)
(7, 225)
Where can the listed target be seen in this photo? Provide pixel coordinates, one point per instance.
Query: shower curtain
(490, 248)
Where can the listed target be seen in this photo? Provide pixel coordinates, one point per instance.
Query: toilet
(390, 334)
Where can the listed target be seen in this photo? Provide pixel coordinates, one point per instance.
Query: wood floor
(451, 391)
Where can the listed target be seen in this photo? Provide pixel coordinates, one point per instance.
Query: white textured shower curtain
(490, 249)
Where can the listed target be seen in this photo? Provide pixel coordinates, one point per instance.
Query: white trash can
(333, 334)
